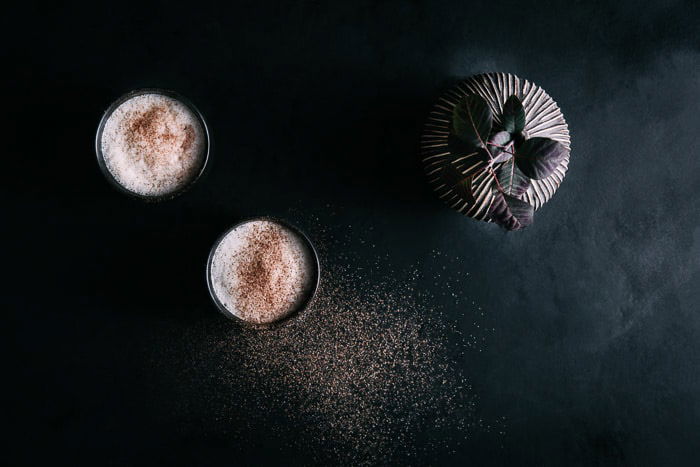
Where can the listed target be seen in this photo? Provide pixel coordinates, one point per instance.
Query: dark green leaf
(538, 157)
(519, 138)
(456, 181)
(472, 120)
(513, 115)
(511, 213)
(465, 191)
(484, 155)
(459, 148)
(511, 179)
(499, 148)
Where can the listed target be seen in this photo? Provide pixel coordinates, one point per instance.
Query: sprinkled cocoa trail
(369, 374)
(363, 372)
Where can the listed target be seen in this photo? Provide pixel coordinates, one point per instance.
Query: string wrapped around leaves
(511, 158)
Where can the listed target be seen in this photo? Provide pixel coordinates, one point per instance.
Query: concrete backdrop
(595, 354)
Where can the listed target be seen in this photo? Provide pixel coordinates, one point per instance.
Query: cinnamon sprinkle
(371, 374)
(153, 144)
(262, 271)
(263, 274)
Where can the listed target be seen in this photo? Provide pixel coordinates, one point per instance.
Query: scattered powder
(262, 271)
(153, 144)
(371, 373)
(362, 376)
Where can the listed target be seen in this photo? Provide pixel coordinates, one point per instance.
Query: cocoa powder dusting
(262, 271)
(263, 274)
(370, 374)
(150, 135)
(153, 144)
(189, 137)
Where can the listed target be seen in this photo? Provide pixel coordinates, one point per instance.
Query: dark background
(595, 358)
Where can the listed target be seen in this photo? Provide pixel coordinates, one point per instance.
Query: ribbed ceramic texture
(543, 119)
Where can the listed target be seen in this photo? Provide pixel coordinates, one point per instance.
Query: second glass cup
(262, 272)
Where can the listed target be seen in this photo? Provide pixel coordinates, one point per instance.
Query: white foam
(164, 162)
(293, 275)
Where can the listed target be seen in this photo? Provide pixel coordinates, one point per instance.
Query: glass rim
(100, 156)
(303, 306)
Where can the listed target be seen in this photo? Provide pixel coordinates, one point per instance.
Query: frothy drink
(262, 271)
(153, 144)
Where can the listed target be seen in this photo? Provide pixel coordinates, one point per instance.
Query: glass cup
(110, 177)
(315, 273)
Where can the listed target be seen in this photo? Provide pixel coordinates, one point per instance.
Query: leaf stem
(512, 153)
(476, 132)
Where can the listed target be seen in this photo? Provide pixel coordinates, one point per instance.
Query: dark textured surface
(596, 350)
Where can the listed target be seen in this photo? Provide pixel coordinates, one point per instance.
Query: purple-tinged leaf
(499, 147)
(510, 213)
(472, 120)
(513, 115)
(456, 181)
(511, 179)
(538, 157)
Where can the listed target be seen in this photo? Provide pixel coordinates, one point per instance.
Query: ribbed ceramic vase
(543, 118)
